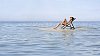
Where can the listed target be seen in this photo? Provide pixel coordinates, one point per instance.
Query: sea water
(28, 39)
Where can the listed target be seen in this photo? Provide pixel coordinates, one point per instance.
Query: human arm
(57, 25)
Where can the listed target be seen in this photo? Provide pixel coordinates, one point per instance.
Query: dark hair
(73, 18)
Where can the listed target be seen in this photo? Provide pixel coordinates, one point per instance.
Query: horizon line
(39, 20)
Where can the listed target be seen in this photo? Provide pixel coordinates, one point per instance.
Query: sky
(49, 10)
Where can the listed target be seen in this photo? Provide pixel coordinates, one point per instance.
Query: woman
(66, 24)
(63, 23)
(71, 22)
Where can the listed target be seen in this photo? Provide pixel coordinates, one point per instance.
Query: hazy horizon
(49, 10)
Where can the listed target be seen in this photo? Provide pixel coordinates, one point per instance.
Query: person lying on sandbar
(66, 24)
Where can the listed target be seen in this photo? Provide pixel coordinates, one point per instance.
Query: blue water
(27, 39)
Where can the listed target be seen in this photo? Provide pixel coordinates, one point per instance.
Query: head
(65, 19)
(72, 18)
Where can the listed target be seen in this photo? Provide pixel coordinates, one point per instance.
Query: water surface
(27, 39)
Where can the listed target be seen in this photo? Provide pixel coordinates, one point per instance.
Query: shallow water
(27, 39)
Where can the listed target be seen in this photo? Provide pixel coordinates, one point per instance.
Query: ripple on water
(26, 39)
(94, 46)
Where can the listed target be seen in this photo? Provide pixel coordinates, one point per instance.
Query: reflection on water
(27, 39)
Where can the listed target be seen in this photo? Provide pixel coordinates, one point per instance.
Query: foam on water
(66, 30)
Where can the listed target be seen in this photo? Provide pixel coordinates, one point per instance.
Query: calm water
(27, 39)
